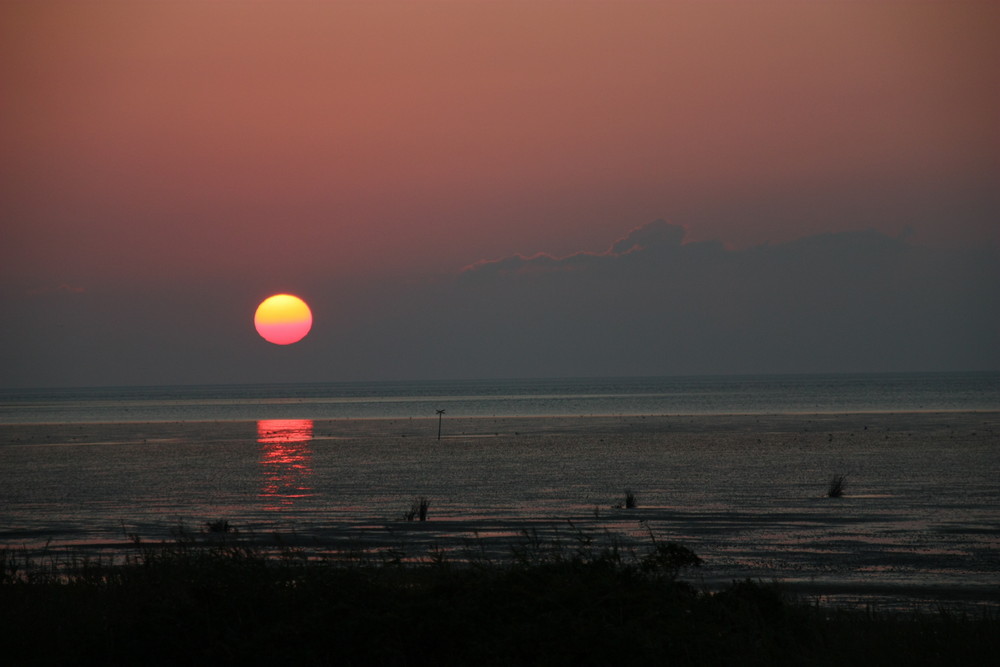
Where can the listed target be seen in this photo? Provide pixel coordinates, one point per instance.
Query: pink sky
(273, 145)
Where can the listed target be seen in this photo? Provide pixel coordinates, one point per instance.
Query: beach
(917, 526)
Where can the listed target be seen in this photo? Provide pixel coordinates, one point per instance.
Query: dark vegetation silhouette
(218, 526)
(835, 489)
(631, 502)
(232, 601)
(418, 510)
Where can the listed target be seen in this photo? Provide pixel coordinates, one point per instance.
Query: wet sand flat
(919, 521)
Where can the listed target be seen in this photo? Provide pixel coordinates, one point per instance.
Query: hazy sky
(716, 187)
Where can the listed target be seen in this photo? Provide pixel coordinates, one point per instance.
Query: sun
(283, 319)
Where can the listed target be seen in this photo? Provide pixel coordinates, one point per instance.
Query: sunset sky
(714, 187)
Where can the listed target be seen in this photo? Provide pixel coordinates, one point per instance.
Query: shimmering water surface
(499, 398)
(735, 468)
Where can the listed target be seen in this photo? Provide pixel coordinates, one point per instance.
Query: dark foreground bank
(222, 601)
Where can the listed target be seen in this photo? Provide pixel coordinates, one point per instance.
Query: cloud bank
(654, 304)
(651, 303)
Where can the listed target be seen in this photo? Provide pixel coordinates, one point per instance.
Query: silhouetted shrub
(418, 510)
(218, 526)
(836, 487)
(630, 501)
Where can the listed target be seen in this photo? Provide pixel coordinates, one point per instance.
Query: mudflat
(917, 524)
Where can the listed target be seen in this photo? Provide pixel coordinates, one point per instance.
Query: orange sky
(355, 133)
(271, 144)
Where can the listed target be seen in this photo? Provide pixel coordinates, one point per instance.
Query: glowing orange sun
(283, 319)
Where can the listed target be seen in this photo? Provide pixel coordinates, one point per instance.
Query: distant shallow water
(751, 394)
(919, 522)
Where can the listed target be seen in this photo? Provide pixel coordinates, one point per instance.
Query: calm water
(736, 468)
(484, 398)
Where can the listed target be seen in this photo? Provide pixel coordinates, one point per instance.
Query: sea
(737, 468)
(707, 395)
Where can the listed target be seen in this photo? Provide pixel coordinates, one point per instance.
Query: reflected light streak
(285, 460)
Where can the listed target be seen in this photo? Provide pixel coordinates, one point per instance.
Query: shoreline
(497, 544)
(234, 604)
(889, 539)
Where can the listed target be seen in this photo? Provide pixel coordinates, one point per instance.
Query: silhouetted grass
(630, 502)
(418, 510)
(219, 526)
(206, 601)
(836, 487)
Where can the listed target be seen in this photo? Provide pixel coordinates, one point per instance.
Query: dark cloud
(658, 234)
(656, 238)
(651, 304)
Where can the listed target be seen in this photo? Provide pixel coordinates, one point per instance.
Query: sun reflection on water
(285, 460)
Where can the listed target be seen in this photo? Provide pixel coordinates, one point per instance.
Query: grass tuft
(218, 526)
(836, 487)
(630, 501)
(418, 510)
